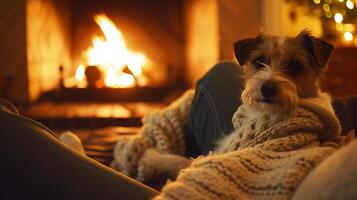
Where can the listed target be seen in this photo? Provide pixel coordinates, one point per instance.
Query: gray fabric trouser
(216, 99)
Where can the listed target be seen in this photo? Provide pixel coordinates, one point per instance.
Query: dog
(278, 71)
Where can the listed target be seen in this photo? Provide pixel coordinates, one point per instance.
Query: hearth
(102, 63)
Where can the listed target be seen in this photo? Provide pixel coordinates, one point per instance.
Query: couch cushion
(334, 178)
(34, 164)
(6, 106)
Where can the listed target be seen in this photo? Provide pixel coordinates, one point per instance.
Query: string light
(339, 27)
(338, 18)
(342, 12)
(350, 4)
(328, 14)
(326, 7)
(348, 36)
(317, 1)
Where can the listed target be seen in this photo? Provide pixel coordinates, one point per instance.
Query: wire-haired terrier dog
(278, 71)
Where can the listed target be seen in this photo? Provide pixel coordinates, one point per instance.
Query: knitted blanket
(260, 160)
(162, 130)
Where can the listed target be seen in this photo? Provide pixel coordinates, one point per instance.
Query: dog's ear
(243, 48)
(319, 50)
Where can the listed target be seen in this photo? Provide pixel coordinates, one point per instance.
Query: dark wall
(13, 72)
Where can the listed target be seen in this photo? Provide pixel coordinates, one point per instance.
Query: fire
(80, 76)
(112, 56)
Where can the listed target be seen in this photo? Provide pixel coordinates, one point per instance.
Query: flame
(115, 79)
(80, 75)
(112, 56)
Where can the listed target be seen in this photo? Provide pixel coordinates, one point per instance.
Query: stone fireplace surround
(38, 36)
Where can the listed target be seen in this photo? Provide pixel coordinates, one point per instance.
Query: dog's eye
(259, 63)
(295, 67)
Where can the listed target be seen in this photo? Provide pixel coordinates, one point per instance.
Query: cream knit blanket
(265, 162)
(162, 130)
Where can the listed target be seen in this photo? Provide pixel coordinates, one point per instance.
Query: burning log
(93, 76)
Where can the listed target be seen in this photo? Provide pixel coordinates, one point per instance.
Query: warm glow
(338, 18)
(348, 36)
(317, 1)
(326, 7)
(134, 62)
(80, 76)
(339, 27)
(117, 79)
(350, 4)
(328, 14)
(111, 55)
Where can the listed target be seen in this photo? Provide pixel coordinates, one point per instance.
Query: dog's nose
(269, 89)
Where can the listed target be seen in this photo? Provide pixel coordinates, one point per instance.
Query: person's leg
(346, 111)
(217, 97)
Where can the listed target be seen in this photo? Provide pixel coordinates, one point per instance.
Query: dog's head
(280, 70)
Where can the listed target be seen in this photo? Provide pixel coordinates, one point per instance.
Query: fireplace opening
(109, 71)
(108, 62)
(118, 53)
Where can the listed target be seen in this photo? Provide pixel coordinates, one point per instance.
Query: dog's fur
(290, 67)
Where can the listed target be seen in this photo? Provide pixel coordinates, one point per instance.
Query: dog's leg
(160, 165)
(72, 141)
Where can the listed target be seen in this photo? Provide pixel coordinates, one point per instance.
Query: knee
(225, 74)
(224, 69)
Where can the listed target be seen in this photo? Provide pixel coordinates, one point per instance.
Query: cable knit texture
(162, 130)
(266, 157)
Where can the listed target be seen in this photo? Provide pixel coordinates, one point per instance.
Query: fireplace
(109, 63)
(129, 42)
(79, 63)
(62, 46)
(51, 54)
(48, 44)
(108, 70)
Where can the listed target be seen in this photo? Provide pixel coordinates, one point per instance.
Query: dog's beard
(285, 100)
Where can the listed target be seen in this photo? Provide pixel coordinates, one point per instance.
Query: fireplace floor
(98, 124)
(99, 143)
(74, 115)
